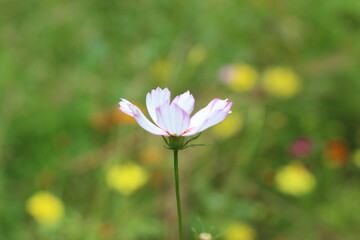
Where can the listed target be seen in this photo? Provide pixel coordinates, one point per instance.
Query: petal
(132, 110)
(216, 111)
(173, 119)
(185, 101)
(155, 98)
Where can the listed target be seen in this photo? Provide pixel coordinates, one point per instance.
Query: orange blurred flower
(106, 230)
(336, 152)
(151, 156)
(104, 121)
(118, 117)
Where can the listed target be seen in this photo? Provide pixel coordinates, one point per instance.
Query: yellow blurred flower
(45, 208)
(281, 82)
(196, 55)
(240, 231)
(295, 179)
(161, 70)
(239, 77)
(230, 126)
(126, 178)
(357, 158)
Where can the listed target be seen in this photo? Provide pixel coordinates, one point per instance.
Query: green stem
(177, 187)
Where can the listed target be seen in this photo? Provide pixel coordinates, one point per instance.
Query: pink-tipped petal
(173, 119)
(155, 98)
(185, 101)
(215, 112)
(133, 111)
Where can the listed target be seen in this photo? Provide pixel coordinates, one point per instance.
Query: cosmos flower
(45, 208)
(173, 118)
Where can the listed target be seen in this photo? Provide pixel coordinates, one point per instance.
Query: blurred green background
(284, 165)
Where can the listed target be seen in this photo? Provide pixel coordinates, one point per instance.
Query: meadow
(284, 165)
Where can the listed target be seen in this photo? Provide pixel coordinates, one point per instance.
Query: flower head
(173, 118)
(45, 208)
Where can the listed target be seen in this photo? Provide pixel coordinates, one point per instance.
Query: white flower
(173, 118)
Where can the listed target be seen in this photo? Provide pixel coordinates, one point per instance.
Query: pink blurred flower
(300, 148)
(173, 118)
